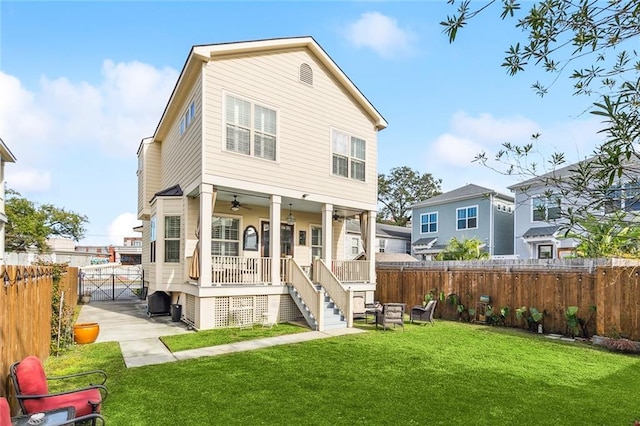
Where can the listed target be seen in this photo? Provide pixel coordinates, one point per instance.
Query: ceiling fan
(235, 204)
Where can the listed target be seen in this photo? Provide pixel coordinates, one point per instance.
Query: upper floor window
(349, 154)
(545, 208)
(251, 128)
(623, 197)
(467, 218)
(172, 239)
(429, 222)
(187, 117)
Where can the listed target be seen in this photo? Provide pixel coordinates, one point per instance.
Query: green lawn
(449, 374)
(201, 339)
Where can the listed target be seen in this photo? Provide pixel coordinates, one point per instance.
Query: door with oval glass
(286, 239)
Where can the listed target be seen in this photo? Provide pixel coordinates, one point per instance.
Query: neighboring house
(257, 136)
(389, 239)
(467, 212)
(5, 157)
(539, 233)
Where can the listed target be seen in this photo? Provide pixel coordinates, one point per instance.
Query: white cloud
(381, 34)
(454, 150)
(27, 180)
(112, 115)
(122, 226)
(488, 129)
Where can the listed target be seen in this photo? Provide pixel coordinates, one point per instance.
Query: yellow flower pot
(86, 332)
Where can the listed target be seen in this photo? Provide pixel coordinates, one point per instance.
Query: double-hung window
(467, 218)
(429, 222)
(349, 155)
(251, 128)
(316, 242)
(545, 208)
(225, 236)
(172, 239)
(187, 117)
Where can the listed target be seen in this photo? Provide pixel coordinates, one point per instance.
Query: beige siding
(181, 154)
(306, 115)
(147, 266)
(148, 177)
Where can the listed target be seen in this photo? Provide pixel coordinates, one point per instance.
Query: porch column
(274, 236)
(207, 193)
(371, 244)
(327, 234)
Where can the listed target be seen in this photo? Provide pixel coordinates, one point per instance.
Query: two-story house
(5, 157)
(467, 212)
(390, 239)
(262, 143)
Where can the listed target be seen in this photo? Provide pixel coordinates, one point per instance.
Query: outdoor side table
(52, 417)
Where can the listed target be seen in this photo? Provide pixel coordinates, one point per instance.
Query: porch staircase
(333, 318)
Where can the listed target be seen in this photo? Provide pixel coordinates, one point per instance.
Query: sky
(81, 83)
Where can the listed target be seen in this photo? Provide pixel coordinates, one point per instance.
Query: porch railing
(351, 270)
(240, 270)
(307, 291)
(341, 297)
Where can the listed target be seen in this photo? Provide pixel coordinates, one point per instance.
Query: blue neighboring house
(470, 211)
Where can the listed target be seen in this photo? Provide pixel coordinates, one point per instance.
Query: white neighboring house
(5, 157)
(259, 136)
(390, 239)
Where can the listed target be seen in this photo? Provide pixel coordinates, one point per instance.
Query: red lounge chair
(32, 390)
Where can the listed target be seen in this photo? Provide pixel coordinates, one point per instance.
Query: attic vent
(306, 74)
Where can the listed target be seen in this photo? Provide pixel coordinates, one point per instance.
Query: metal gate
(111, 282)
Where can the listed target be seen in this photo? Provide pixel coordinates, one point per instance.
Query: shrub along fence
(26, 312)
(612, 290)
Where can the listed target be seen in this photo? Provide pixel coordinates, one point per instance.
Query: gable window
(251, 128)
(187, 117)
(467, 218)
(152, 255)
(306, 74)
(429, 222)
(545, 208)
(349, 154)
(172, 239)
(225, 236)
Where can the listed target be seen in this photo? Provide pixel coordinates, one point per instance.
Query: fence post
(113, 284)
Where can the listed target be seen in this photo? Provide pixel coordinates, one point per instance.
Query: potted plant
(86, 297)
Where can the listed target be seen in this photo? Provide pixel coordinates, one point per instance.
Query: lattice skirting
(240, 311)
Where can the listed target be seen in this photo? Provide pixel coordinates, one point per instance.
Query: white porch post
(371, 244)
(206, 211)
(327, 234)
(274, 236)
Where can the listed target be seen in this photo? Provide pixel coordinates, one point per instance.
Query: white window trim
(240, 230)
(477, 217)
(546, 208)
(349, 157)
(437, 218)
(253, 103)
(311, 245)
(187, 118)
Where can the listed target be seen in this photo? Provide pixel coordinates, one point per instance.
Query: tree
(29, 225)
(597, 38)
(402, 188)
(469, 249)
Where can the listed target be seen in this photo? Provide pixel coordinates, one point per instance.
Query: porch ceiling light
(290, 219)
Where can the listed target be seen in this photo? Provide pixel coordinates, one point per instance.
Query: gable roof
(200, 54)
(558, 173)
(382, 230)
(5, 153)
(462, 193)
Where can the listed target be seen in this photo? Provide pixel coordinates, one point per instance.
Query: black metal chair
(419, 313)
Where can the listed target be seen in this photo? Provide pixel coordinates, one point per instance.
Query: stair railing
(341, 297)
(310, 295)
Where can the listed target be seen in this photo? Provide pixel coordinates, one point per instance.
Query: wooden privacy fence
(613, 291)
(25, 312)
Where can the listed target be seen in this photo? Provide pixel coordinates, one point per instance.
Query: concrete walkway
(126, 322)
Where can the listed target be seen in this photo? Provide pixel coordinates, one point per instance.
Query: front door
(286, 239)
